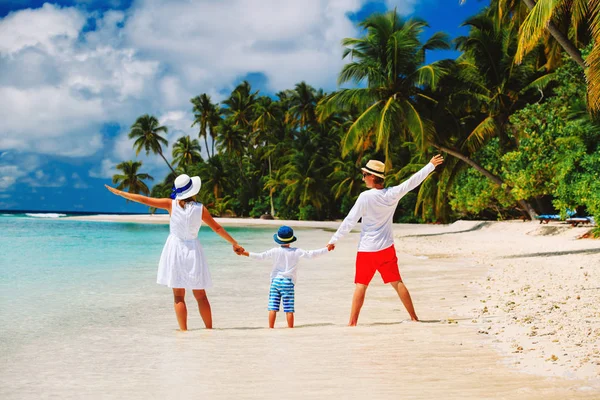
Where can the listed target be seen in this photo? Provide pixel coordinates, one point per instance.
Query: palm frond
(593, 59)
(363, 126)
(485, 130)
(532, 29)
(541, 82)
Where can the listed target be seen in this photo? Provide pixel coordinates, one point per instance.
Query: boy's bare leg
(180, 308)
(290, 319)
(204, 307)
(357, 302)
(272, 316)
(405, 298)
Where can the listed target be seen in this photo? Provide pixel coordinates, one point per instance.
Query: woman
(182, 262)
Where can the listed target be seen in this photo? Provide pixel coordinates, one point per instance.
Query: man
(376, 250)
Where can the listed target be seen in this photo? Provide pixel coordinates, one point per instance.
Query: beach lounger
(580, 221)
(545, 218)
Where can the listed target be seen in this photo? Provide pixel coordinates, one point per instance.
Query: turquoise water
(57, 275)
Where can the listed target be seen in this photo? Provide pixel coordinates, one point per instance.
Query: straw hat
(185, 187)
(375, 167)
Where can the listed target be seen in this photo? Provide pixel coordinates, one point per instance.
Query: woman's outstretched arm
(165, 204)
(219, 230)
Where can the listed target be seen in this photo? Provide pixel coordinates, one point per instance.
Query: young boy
(283, 276)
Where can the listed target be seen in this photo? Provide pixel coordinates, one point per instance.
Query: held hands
(330, 246)
(239, 250)
(437, 160)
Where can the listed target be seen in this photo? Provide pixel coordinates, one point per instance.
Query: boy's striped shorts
(281, 289)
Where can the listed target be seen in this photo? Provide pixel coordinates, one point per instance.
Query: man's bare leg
(357, 302)
(290, 319)
(405, 298)
(180, 308)
(204, 307)
(272, 316)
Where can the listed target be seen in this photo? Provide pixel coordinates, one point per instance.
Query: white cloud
(44, 179)
(212, 44)
(15, 167)
(77, 182)
(59, 85)
(48, 28)
(57, 90)
(105, 170)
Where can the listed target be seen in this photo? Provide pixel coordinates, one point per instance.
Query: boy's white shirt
(376, 207)
(285, 260)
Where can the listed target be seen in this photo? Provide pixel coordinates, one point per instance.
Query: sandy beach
(509, 310)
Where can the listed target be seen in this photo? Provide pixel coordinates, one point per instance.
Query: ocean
(56, 272)
(61, 280)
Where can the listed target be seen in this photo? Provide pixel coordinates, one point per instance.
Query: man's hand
(330, 246)
(437, 160)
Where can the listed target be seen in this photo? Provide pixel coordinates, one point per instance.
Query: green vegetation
(519, 138)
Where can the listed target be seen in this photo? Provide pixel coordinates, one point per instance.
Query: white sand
(510, 310)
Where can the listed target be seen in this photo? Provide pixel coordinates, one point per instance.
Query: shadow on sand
(475, 227)
(555, 253)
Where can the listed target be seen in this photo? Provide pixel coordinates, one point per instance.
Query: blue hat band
(175, 191)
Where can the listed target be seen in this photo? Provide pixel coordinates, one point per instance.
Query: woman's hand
(113, 190)
(237, 249)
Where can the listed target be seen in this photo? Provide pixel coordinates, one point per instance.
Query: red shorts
(384, 261)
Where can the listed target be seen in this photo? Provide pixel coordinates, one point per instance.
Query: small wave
(46, 215)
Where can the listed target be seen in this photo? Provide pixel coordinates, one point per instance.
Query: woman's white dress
(182, 262)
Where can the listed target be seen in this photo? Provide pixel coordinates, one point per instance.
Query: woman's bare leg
(290, 319)
(204, 307)
(180, 308)
(272, 316)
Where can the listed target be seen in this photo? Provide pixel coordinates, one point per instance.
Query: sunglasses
(364, 174)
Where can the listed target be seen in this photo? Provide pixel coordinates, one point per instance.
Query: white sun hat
(185, 187)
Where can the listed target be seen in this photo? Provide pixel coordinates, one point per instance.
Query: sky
(74, 76)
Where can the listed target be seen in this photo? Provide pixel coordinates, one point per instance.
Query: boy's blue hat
(284, 235)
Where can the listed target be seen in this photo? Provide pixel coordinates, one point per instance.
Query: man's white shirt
(285, 260)
(376, 207)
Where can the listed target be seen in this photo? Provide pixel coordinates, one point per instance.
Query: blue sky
(75, 74)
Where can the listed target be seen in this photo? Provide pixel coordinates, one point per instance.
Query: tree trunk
(206, 144)
(169, 165)
(526, 207)
(271, 192)
(561, 38)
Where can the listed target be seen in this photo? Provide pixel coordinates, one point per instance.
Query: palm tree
(303, 101)
(214, 176)
(267, 115)
(548, 15)
(477, 98)
(239, 106)
(207, 115)
(131, 180)
(146, 131)
(490, 77)
(186, 152)
(391, 60)
(582, 12)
